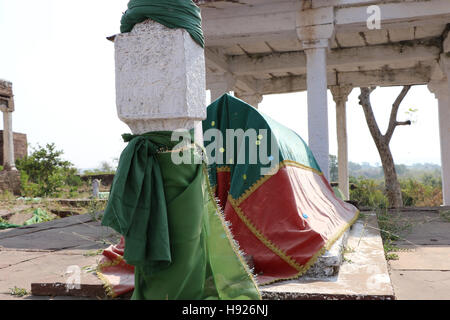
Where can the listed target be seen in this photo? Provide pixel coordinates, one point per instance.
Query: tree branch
(364, 101)
(393, 123)
(403, 123)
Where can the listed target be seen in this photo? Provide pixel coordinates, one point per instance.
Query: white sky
(62, 67)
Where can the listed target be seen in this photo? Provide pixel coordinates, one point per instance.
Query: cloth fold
(175, 235)
(137, 205)
(170, 13)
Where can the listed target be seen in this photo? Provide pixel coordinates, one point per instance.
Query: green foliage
(20, 292)
(368, 193)
(45, 173)
(416, 193)
(391, 226)
(104, 168)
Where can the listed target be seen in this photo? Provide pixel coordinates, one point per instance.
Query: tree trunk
(393, 190)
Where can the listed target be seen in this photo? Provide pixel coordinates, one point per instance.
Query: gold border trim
(269, 244)
(223, 169)
(283, 164)
(106, 285)
(319, 253)
(235, 203)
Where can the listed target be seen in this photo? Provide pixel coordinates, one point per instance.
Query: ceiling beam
(366, 57)
(241, 24)
(383, 78)
(398, 14)
(219, 64)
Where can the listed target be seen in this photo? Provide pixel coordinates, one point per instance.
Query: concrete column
(160, 79)
(8, 142)
(340, 96)
(225, 85)
(316, 65)
(252, 99)
(441, 91)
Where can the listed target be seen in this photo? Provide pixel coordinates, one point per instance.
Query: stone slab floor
(422, 271)
(42, 254)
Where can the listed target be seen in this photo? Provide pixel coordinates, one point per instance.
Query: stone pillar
(224, 84)
(7, 108)
(340, 96)
(8, 142)
(252, 99)
(160, 79)
(441, 91)
(318, 106)
(315, 28)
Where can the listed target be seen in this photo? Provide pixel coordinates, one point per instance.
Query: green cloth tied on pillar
(170, 13)
(137, 206)
(175, 234)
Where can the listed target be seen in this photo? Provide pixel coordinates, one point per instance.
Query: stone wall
(20, 146)
(10, 181)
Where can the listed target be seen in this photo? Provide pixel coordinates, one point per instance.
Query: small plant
(445, 215)
(19, 292)
(93, 253)
(391, 226)
(95, 209)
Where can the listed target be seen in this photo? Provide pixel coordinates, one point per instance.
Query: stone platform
(362, 276)
(37, 259)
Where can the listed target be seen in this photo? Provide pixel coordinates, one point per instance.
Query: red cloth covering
(116, 274)
(285, 221)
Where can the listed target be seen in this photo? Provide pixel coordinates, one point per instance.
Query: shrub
(416, 194)
(368, 193)
(44, 173)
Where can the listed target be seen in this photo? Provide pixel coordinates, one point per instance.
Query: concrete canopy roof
(256, 41)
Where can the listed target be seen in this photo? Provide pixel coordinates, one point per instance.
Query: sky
(62, 67)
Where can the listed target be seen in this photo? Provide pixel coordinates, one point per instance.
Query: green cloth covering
(171, 13)
(174, 234)
(39, 216)
(6, 225)
(229, 112)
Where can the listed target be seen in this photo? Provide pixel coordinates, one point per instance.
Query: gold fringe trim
(223, 169)
(106, 285)
(319, 253)
(111, 263)
(228, 232)
(269, 244)
(283, 164)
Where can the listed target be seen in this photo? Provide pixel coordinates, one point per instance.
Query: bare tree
(393, 190)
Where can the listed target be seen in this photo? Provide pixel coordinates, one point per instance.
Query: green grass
(445, 215)
(391, 226)
(19, 292)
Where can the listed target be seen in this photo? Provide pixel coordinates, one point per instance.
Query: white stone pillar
(315, 28)
(441, 91)
(8, 142)
(318, 105)
(160, 79)
(340, 96)
(252, 99)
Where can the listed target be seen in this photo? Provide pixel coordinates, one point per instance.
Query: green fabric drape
(171, 13)
(174, 234)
